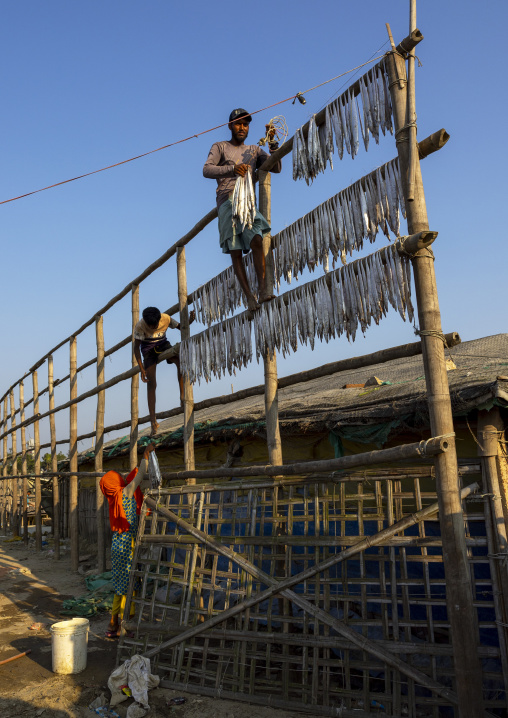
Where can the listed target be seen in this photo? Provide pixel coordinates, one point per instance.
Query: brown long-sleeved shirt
(221, 162)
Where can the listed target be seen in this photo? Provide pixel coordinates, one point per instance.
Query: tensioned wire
(186, 139)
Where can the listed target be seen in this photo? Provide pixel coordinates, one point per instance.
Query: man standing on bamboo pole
(149, 337)
(227, 161)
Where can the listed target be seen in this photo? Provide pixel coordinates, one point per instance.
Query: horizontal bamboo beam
(432, 143)
(379, 357)
(431, 447)
(409, 43)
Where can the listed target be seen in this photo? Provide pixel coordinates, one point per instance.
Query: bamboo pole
(411, 111)
(73, 457)
(14, 464)
(133, 446)
(458, 592)
(24, 468)
(99, 445)
(5, 520)
(188, 389)
(37, 465)
(270, 361)
(54, 463)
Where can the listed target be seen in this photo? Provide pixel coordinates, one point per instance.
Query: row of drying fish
(222, 295)
(350, 297)
(338, 226)
(243, 202)
(227, 345)
(343, 119)
(341, 224)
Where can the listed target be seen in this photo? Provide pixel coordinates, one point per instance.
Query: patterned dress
(122, 548)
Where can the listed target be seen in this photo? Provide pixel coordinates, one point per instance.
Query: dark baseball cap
(240, 113)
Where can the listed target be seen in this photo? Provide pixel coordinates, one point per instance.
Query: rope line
(185, 139)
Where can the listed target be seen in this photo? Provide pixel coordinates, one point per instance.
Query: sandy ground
(32, 589)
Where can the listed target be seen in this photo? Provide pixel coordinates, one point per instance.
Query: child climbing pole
(149, 337)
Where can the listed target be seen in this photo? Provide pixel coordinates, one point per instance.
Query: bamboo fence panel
(281, 651)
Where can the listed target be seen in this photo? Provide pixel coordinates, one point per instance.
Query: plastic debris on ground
(178, 701)
(100, 706)
(134, 673)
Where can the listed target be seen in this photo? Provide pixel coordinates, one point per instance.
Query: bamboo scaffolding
(73, 457)
(54, 464)
(37, 464)
(460, 608)
(99, 445)
(188, 390)
(24, 493)
(14, 459)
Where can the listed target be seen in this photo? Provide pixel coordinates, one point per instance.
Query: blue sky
(86, 85)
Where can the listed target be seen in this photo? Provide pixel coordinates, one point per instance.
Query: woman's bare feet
(155, 428)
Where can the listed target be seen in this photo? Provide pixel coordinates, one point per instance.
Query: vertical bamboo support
(5, 483)
(270, 361)
(411, 108)
(37, 464)
(99, 445)
(188, 391)
(133, 453)
(73, 456)
(3, 493)
(24, 467)
(54, 462)
(459, 597)
(14, 470)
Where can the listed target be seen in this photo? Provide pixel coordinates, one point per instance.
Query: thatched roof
(479, 380)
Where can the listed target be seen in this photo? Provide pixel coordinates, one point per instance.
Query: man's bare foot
(252, 304)
(266, 297)
(155, 428)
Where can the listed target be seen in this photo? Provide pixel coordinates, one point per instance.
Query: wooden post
(5, 520)
(133, 454)
(14, 471)
(459, 596)
(99, 445)
(270, 361)
(54, 462)
(3, 494)
(37, 464)
(188, 390)
(411, 108)
(73, 456)
(24, 467)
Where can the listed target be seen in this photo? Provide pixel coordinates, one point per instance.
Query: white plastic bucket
(69, 641)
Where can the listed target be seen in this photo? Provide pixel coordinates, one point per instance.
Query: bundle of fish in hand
(244, 203)
(343, 119)
(339, 303)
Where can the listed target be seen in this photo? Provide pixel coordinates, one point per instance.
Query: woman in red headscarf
(125, 499)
